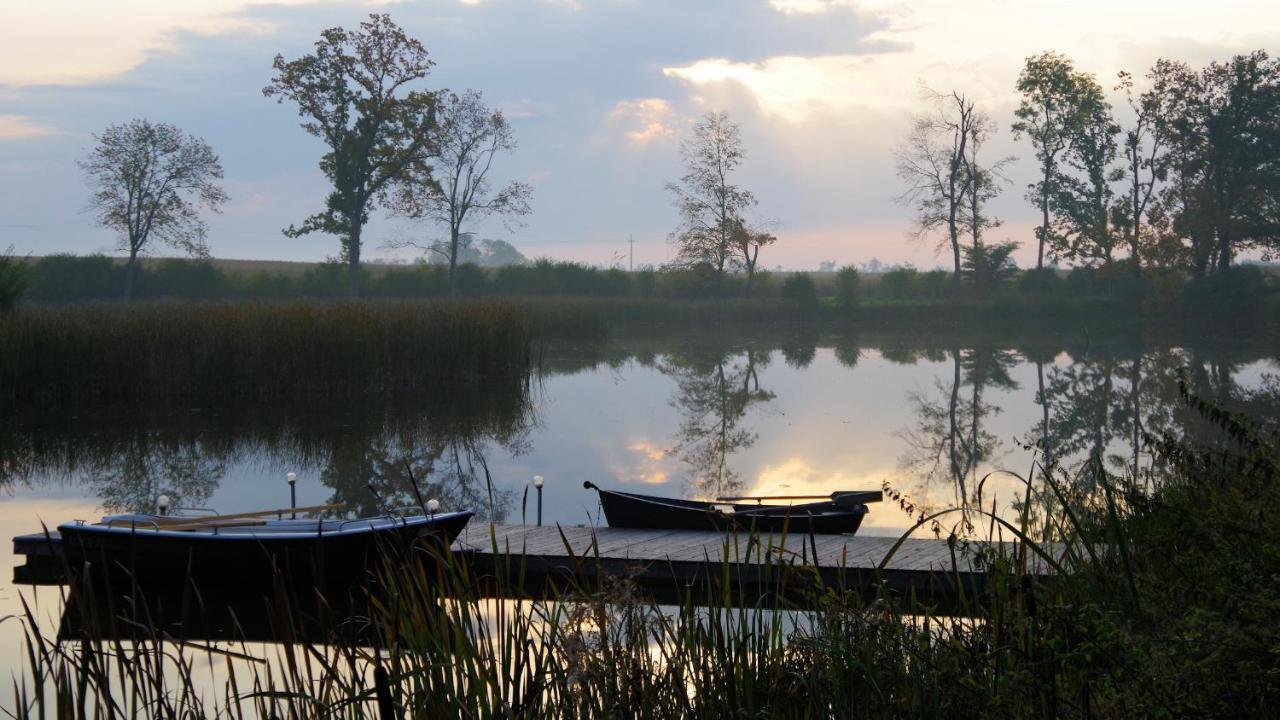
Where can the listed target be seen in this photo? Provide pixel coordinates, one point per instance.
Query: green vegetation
(13, 280)
(1161, 605)
(219, 353)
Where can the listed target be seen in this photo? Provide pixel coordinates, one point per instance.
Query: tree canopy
(149, 182)
(354, 93)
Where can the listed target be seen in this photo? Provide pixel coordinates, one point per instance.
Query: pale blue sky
(599, 93)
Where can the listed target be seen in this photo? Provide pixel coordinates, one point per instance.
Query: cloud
(69, 42)
(644, 120)
(21, 127)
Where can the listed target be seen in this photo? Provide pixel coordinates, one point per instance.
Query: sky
(599, 93)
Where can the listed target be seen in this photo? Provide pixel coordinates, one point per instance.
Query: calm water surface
(684, 415)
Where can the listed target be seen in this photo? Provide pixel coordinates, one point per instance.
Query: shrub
(67, 278)
(171, 278)
(13, 279)
(847, 287)
(936, 284)
(799, 289)
(1039, 281)
(990, 266)
(900, 283)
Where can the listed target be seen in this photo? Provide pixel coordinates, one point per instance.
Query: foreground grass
(1163, 605)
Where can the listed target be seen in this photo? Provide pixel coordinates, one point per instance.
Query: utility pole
(631, 263)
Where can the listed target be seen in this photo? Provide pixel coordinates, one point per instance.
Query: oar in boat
(186, 520)
(840, 497)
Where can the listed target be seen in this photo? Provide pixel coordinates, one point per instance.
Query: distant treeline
(67, 279)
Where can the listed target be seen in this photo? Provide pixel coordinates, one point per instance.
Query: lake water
(789, 412)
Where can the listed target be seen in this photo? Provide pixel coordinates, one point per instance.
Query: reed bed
(212, 353)
(1161, 604)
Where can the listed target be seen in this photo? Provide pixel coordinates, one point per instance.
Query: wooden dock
(678, 565)
(673, 564)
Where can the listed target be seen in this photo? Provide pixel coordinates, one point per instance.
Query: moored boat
(838, 513)
(240, 549)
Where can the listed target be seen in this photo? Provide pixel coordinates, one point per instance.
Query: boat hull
(318, 557)
(628, 510)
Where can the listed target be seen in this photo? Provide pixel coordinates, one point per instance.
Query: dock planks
(672, 561)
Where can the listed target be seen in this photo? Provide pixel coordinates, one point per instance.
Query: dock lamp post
(537, 484)
(293, 493)
(162, 502)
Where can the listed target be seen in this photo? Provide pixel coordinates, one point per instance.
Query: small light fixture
(293, 493)
(162, 502)
(433, 506)
(537, 485)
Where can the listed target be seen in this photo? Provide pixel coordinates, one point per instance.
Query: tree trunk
(130, 269)
(353, 258)
(1044, 216)
(453, 261)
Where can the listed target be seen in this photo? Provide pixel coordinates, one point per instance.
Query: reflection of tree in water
(714, 390)
(372, 478)
(143, 469)
(132, 460)
(1107, 401)
(948, 441)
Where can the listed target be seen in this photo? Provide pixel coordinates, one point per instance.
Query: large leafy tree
(1046, 115)
(149, 182)
(711, 205)
(1224, 136)
(1084, 195)
(467, 138)
(354, 91)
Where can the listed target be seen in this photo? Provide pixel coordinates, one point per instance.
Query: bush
(13, 279)
(847, 287)
(1044, 281)
(67, 278)
(936, 284)
(198, 280)
(989, 267)
(799, 289)
(900, 283)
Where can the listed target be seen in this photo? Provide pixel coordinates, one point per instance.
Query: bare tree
(352, 92)
(934, 164)
(149, 181)
(467, 137)
(711, 206)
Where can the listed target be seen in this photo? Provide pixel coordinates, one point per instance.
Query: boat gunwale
(361, 526)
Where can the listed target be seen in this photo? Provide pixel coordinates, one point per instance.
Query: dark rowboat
(841, 513)
(246, 549)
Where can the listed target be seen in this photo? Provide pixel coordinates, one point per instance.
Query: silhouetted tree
(1046, 115)
(1083, 199)
(458, 190)
(1224, 136)
(711, 206)
(149, 182)
(934, 164)
(353, 92)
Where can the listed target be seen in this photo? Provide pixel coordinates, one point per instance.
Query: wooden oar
(180, 520)
(853, 497)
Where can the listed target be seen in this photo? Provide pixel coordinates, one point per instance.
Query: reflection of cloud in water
(648, 449)
(646, 469)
